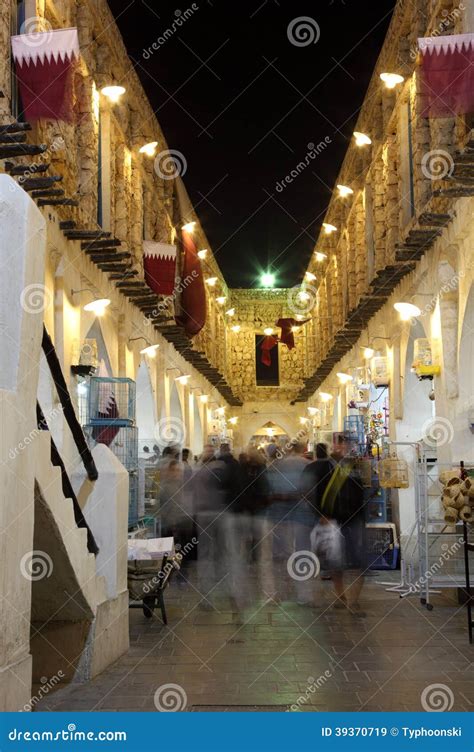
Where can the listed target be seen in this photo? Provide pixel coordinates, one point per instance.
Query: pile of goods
(457, 498)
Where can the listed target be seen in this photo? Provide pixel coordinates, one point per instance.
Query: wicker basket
(393, 473)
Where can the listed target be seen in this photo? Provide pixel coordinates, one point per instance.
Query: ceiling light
(267, 279)
(230, 312)
(113, 93)
(344, 190)
(368, 352)
(362, 139)
(189, 227)
(294, 329)
(220, 411)
(203, 253)
(320, 256)
(211, 281)
(391, 79)
(97, 306)
(344, 378)
(268, 331)
(149, 149)
(310, 276)
(325, 396)
(183, 379)
(221, 299)
(236, 328)
(407, 311)
(150, 351)
(329, 229)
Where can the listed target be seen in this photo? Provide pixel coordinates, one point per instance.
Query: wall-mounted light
(211, 281)
(204, 398)
(150, 351)
(233, 420)
(325, 396)
(303, 420)
(362, 139)
(310, 276)
(344, 378)
(313, 410)
(97, 306)
(268, 331)
(230, 312)
(202, 253)
(236, 328)
(407, 311)
(344, 190)
(149, 149)
(303, 295)
(267, 279)
(113, 93)
(329, 229)
(220, 411)
(320, 257)
(189, 227)
(183, 379)
(368, 352)
(391, 79)
(221, 299)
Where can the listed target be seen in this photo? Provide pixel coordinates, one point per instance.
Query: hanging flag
(268, 344)
(44, 63)
(192, 314)
(107, 409)
(286, 326)
(159, 265)
(447, 75)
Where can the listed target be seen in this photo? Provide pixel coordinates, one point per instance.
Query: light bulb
(344, 378)
(267, 279)
(391, 79)
(189, 227)
(211, 281)
(407, 311)
(325, 396)
(204, 398)
(236, 328)
(202, 253)
(97, 306)
(230, 312)
(221, 299)
(361, 139)
(183, 379)
(320, 256)
(150, 351)
(344, 190)
(310, 276)
(268, 331)
(149, 149)
(303, 295)
(328, 229)
(113, 93)
(233, 421)
(368, 353)
(313, 410)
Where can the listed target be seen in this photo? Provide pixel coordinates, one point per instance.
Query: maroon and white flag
(447, 75)
(44, 63)
(159, 265)
(107, 410)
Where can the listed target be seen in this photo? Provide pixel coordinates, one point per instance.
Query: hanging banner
(193, 296)
(287, 325)
(269, 342)
(159, 265)
(447, 75)
(44, 63)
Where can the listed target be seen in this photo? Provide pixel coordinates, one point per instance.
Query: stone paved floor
(381, 661)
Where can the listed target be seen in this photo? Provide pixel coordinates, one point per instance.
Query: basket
(393, 473)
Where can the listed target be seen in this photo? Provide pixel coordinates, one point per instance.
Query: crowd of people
(266, 523)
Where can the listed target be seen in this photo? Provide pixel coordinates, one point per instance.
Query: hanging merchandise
(268, 343)
(192, 314)
(159, 266)
(44, 63)
(447, 75)
(393, 472)
(286, 326)
(423, 359)
(379, 370)
(457, 498)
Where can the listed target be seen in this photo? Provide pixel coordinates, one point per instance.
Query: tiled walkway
(328, 659)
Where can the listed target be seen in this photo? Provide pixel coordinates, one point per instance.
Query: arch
(462, 410)
(251, 423)
(145, 403)
(95, 332)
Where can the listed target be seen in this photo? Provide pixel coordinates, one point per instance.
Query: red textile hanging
(44, 63)
(107, 410)
(268, 344)
(447, 75)
(286, 331)
(159, 266)
(193, 296)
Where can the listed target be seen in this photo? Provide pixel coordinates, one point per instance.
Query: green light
(267, 280)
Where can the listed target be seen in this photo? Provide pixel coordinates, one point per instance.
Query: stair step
(58, 202)
(77, 234)
(100, 244)
(15, 127)
(14, 169)
(47, 193)
(12, 138)
(34, 183)
(21, 150)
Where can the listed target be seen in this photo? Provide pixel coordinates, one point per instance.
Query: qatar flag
(192, 314)
(44, 64)
(159, 266)
(447, 75)
(107, 409)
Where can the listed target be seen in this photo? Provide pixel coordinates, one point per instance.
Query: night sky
(241, 102)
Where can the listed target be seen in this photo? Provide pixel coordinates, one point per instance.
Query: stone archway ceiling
(101, 248)
(427, 227)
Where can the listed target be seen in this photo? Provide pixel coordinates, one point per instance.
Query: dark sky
(241, 102)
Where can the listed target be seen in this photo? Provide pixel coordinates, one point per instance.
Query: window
(266, 375)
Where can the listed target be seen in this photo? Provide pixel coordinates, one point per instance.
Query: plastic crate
(111, 400)
(382, 545)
